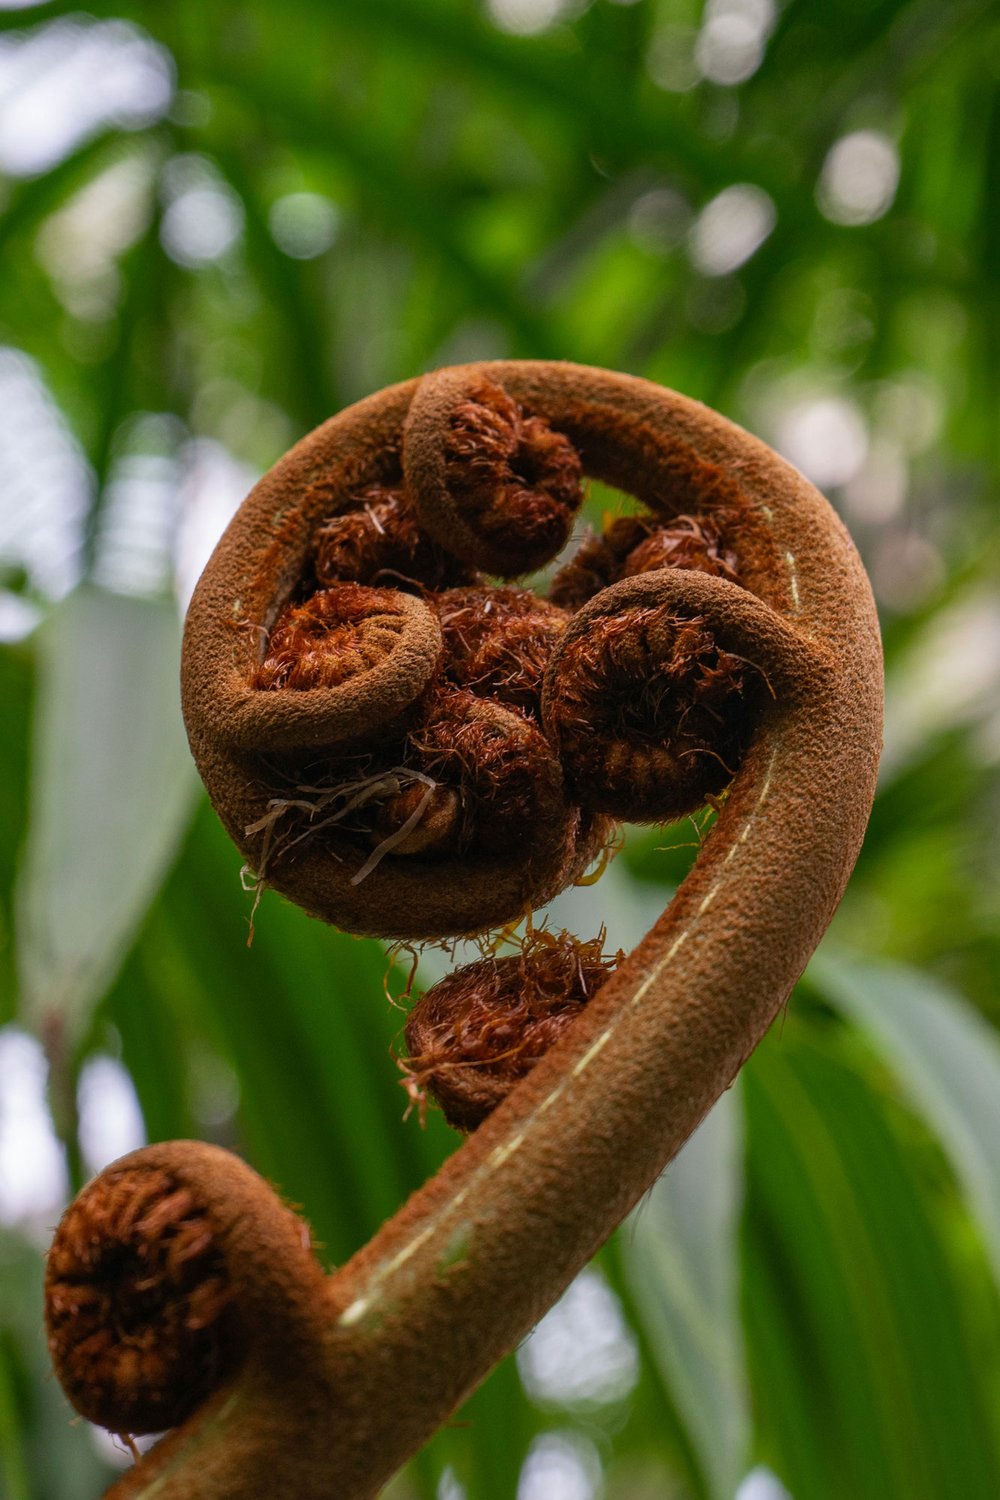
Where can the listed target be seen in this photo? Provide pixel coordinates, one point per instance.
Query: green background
(786, 212)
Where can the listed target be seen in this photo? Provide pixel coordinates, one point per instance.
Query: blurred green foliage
(787, 211)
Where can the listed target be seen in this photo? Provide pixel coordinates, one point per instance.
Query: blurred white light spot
(201, 224)
(18, 617)
(62, 82)
(528, 17)
(877, 492)
(912, 408)
(582, 1352)
(214, 485)
(46, 480)
(730, 228)
(730, 46)
(138, 520)
(906, 569)
(659, 220)
(560, 1466)
(215, 1090)
(449, 1487)
(671, 61)
(80, 243)
(110, 1118)
(32, 1171)
(859, 178)
(761, 1484)
(948, 677)
(825, 437)
(303, 224)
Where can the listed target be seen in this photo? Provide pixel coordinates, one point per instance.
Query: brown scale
(498, 641)
(334, 635)
(639, 544)
(515, 480)
(649, 715)
(137, 1296)
(479, 1031)
(377, 538)
(486, 761)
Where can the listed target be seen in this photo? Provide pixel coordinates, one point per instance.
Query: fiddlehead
(179, 1281)
(763, 640)
(650, 714)
(495, 487)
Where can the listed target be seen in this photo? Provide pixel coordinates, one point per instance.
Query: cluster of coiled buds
(410, 749)
(396, 700)
(474, 741)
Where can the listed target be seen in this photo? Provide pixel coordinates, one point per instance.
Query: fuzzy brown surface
(335, 635)
(502, 767)
(638, 544)
(270, 1383)
(241, 707)
(136, 1293)
(474, 1259)
(263, 678)
(493, 485)
(479, 1031)
(649, 716)
(377, 538)
(498, 642)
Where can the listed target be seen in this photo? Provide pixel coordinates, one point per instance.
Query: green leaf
(16, 678)
(39, 1431)
(681, 1255)
(110, 795)
(867, 1377)
(13, 1459)
(947, 1060)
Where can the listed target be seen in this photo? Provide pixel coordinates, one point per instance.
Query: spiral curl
(498, 642)
(474, 1258)
(649, 716)
(375, 538)
(498, 488)
(136, 1301)
(340, 759)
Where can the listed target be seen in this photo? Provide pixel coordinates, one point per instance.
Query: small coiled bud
(479, 1031)
(501, 767)
(137, 1297)
(337, 634)
(497, 488)
(498, 642)
(630, 545)
(376, 538)
(650, 717)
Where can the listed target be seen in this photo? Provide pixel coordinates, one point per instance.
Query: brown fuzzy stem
(465, 1268)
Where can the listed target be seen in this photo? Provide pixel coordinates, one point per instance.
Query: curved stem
(417, 1318)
